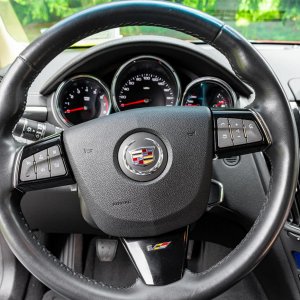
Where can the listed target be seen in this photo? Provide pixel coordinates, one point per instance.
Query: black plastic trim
(37, 184)
(114, 53)
(159, 260)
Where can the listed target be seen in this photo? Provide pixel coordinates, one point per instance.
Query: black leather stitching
(91, 32)
(30, 81)
(22, 109)
(248, 235)
(101, 28)
(257, 221)
(227, 55)
(81, 276)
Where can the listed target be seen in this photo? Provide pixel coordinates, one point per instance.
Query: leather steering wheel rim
(270, 102)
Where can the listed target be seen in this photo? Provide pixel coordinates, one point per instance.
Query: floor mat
(208, 254)
(121, 272)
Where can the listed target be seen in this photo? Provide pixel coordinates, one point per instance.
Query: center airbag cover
(121, 206)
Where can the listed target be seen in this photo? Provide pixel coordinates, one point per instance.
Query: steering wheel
(144, 175)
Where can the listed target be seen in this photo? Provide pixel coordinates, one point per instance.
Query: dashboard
(84, 84)
(141, 81)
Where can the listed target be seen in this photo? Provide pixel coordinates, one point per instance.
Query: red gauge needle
(220, 103)
(69, 111)
(135, 102)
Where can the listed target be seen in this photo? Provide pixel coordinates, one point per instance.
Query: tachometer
(209, 91)
(82, 98)
(145, 81)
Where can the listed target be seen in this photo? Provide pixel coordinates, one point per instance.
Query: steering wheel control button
(42, 166)
(237, 131)
(224, 134)
(247, 134)
(57, 167)
(53, 152)
(28, 169)
(142, 156)
(252, 132)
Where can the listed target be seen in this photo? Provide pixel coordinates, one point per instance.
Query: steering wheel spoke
(239, 132)
(159, 260)
(43, 165)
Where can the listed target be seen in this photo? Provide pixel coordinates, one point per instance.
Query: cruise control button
(42, 166)
(57, 166)
(237, 130)
(41, 156)
(222, 123)
(224, 136)
(252, 132)
(27, 169)
(53, 151)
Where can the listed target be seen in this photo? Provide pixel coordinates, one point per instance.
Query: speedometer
(145, 81)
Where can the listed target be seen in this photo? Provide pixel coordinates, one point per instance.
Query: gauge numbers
(82, 98)
(145, 81)
(144, 90)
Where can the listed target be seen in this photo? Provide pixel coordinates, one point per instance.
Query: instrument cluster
(143, 81)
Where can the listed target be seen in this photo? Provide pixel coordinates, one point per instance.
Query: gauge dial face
(143, 82)
(211, 92)
(81, 99)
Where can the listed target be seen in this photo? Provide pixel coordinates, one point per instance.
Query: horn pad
(143, 172)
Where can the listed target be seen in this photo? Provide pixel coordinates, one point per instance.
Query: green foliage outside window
(256, 19)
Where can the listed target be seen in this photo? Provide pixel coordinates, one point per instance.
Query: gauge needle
(220, 103)
(69, 111)
(135, 102)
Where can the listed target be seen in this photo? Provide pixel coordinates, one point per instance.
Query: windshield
(264, 20)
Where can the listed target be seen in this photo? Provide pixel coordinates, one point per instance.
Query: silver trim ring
(216, 80)
(56, 110)
(127, 63)
(146, 172)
